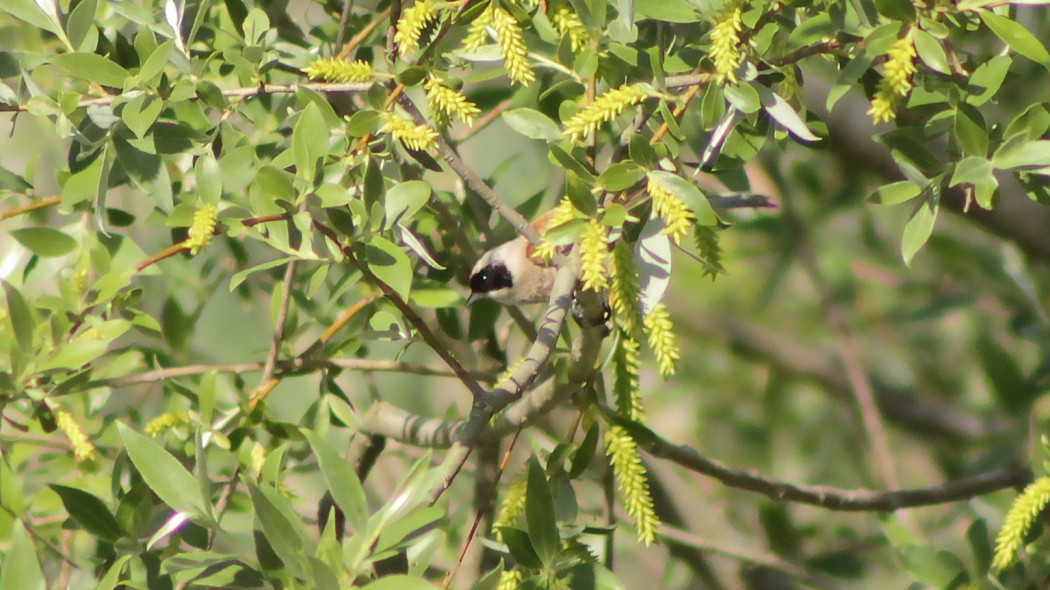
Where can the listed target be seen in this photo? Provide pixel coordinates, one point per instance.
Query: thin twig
(262, 391)
(42, 203)
(248, 92)
(835, 498)
(282, 317)
(287, 366)
(475, 183)
(410, 314)
(480, 513)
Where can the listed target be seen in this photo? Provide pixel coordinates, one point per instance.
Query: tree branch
(475, 182)
(410, 314)
(835, 498)
(248, 92)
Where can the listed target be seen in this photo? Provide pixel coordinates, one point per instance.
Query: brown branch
(248, 92)
(286, 367)
(410, 314)
(388, 420)
(269, 384)
(42, 203)
(475, 183)
(831, 498)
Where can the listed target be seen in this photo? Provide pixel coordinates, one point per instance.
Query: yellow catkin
(725, 43)
(624, 290)
(83, 449)
(339, 70)
(678, 218)
(512, 46)
(477, 34)
(594, 256)
(569, 24)
(417, 137)
(447, 104)
(512, 507)
(203, 227)
(604, 108)
(660, 329)
(896, 80)
(632, 481)
(510, 580)
(411, 24)
(165, 422)
(1019, 520)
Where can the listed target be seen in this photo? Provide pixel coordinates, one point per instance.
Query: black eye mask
(491, 278)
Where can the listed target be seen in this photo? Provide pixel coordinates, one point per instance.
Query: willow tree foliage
(808, 238)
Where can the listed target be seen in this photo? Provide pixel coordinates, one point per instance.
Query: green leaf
(86, 184)
(30, 12)
(404, 200)
(81, 20)
(581, 459)
(902, 10)
(22, 321)
(44, 241)
(109, 581)
(931, 52)
(1016, 36)
(621, 176)
(979, 539)
(743, 96)
(970, 130)
(987, 79)
(163, 473)
(400, 582)
(10, 489)
(979, 173)
(147, 171)
(895, 192)
(559, 156)
(89, 512)
(140, 113)
(413, 524)
(93, 68)
(280, 524)
(209, 179)
(919, 228)
(21, 570)
(672, 11)
(532, 124)
(309, 141)
(783, 113)
(520, 547)
(390, 264)
(1017, 152)
(343, 483)
(76, 354)
(362, 123)
(154, 64)
(580, 195)
(539, 514)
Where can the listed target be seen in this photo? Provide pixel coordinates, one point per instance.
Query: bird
(509, 274)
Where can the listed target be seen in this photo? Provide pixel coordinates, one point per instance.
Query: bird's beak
(472, 298)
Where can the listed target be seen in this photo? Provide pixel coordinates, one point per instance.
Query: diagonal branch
(410, 314)
(859, 500)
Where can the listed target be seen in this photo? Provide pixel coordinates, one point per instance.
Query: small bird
(510, 275)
